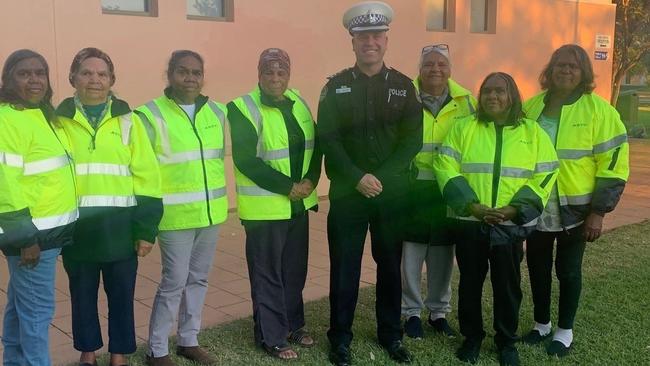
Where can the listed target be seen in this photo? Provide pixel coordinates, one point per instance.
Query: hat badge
(373, 18)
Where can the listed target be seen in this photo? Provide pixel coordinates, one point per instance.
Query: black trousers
(347, 224)
(568, 269)
(277, 253)
(119, 285)
(475, 256)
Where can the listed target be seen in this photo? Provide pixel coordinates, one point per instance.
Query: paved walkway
(229, 292)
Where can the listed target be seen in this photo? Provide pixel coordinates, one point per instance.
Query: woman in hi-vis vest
(277, 167)
(38, 206)
(186, 129)
(118, 189)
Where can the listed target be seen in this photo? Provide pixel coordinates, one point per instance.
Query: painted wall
(311, 32)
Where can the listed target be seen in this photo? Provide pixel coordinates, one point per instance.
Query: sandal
(276, 351)
(302, 338)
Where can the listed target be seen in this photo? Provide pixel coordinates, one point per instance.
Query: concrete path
(229, 292)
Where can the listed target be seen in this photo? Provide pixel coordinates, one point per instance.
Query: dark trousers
(119, 285)
(347, 224)
(474, 256)
(568, 269)
(277, 253)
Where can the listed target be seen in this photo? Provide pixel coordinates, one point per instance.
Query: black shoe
(535, 337)
(557, 348)
(413, 327)
(441, 326)
(509, 356)
(340, 355)
(398, 352)
(469, 350)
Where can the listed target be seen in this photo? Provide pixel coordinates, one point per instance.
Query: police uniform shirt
(369, 125)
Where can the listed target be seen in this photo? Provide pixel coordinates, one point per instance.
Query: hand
(296, 192)
(307, 187)
(508, 212)
(369, 186)
(593, 227)
(484, 213)
(143, 247)
(30, 256)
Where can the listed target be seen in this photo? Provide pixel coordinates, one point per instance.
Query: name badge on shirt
(343, 89)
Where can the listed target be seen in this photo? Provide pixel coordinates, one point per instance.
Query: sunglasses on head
(435, 47)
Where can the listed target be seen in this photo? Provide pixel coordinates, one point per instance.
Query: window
(483, 15)
(130, 7)
(210, 9)
(441, 15)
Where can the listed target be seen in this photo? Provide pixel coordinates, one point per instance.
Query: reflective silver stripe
(430, 147)
(584, 199)
(44, 223)
(469, 104)
(107, 201)
(426, 174)
(222, 119)
(45, 165)
(254, 191)
(303, 101)
(309, 144)
(505, 223)
(255, 112)
(148, 126)
(449, 151)
(192, 155)
(164, 134)
(103, 169)
(125, 126)
(476, 168)
(610, 144)
(12, 160)
(1, 231)
(191, 197)
(516, 172)
(274, 154)
(546, 167)
(573, 154)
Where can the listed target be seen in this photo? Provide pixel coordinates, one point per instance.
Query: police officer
(370, 128)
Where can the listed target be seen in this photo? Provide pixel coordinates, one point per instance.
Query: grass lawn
(644, 118)
(612, 326)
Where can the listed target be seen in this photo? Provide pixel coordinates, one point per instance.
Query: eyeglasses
(435, 47)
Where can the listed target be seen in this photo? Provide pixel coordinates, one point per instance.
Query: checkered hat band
(368, 20)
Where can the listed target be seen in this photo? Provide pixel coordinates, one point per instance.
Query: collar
(358, 74)
(199, 101)
(269, 102)
(117, 108)
(572, 98)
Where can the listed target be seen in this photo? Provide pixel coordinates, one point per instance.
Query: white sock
(543, 329)
(436, 316)
(564, 335)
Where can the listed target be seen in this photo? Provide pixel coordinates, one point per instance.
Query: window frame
(152, 5)
(228, 11)
(448, 20)
(489, 18)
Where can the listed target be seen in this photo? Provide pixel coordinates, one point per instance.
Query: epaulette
(401, 74)
(339, 73)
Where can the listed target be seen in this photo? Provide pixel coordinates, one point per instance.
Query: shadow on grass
(611, 327)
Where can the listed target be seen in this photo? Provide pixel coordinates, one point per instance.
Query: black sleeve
(458, 195)
(244, 155)
(329, 136)
(528, 204)
(313, 173)
(606, 195)
(18, 229)
(410, 138)
(146, 217)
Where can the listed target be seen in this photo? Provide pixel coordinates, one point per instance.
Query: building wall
(310, 30)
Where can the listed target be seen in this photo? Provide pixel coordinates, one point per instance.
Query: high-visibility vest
(36, 172)
(191, 157)
(254, 202)
(435, 128)
(114, 163)
(510, 156)
(591, 143)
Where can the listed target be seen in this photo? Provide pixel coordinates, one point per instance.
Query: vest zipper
(205, 174)
(496, 172)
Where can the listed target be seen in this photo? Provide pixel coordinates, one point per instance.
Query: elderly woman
(118, 187)
(37, 205)
(592, 147)
(186, 129)
(495, 170)
(277, 168)
(427, 235)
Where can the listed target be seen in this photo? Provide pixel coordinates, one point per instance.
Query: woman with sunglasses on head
(38, 205)
(592, 147)
(118, 185)
(427, 236)
(495, 170)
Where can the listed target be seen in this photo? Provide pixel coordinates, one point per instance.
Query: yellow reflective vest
(191, 155)
(497, 166)
(593, 152)
(254, 202)
(37, 194)
(435, 128)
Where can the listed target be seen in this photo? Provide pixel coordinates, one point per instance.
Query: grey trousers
(440, 261)
(186, 262)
